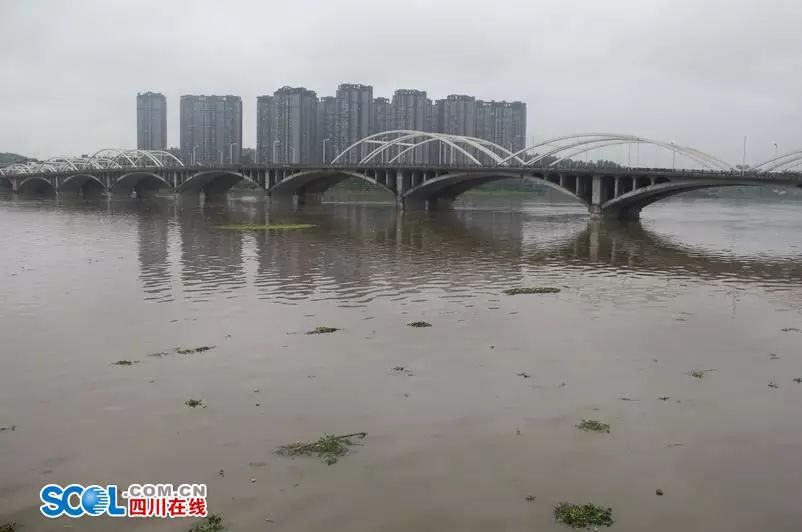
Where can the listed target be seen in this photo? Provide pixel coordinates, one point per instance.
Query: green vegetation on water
(211, 523)
(700, 373)
(323, 330)
(265, 227)
(192, 350)
(329, 447)
(536, 290)
(583, 515)
(591, 425)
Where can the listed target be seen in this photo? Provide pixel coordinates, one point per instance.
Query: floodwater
(458, 439)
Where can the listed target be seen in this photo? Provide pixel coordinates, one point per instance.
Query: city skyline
(294, 125)
(679, 70)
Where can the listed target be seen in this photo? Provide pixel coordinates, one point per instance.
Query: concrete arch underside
(212, 182)
(450, 186)
(630, 204)
(317, 182)
(137, 181)
(81, 183)
(36, 186)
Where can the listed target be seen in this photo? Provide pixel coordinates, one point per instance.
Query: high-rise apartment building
(503, 123)
(151, 121)
(382, 115)
(457, 117)
(264, 129)
(211, 129)
(411, 112)
(327, 126)
(355, 119)
(295, 126)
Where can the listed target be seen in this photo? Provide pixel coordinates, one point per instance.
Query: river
(466, 419)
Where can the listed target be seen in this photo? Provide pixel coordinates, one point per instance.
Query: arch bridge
(420, 169)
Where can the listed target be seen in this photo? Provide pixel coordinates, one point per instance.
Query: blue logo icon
(77, 501)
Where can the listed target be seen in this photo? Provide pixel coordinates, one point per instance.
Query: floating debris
(664, 398)
(323, 330)
(265, 227)
(774, 356)
(629, 399)
(193, 350)
(591, 425)
(773, 385)
(530, 498)
(211, 523)
(700, 373)
(523, 374)
(659, 493)
(790, 329)
(222, 473)
(125, 363)
(419, 324)
(583, 515)
(11, 428)
(536, 290)
(329, 447)
(672, 445)
(400, 368)
(798, 380)
(159, 354)
(8, 527)
(194, 403)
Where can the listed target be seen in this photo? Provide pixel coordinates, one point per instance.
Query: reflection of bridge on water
(402, 164)
(361, 253)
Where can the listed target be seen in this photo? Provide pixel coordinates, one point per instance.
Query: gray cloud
(701, 73)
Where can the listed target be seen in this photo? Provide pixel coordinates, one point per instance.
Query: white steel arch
(407, 140)
(786, 161)
(103, 159)
(581, 143)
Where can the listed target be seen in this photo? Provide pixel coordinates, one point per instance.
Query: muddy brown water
(457, 441)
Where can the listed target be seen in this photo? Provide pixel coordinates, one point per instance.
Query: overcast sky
(699, 72)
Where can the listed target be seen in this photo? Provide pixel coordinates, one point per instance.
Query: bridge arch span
(138, 180)
(36, 186)
(630, 204)
(82, 183)
(5, 184)
(318, 181)
(449, 186)
(214, 182)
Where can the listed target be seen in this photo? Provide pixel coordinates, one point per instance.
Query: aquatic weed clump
(329, 447)
(583, 515)
(700, 373)
(211, 523)
(193, 350)
(536, 290)
(591, 425)
(323, 330)
(265, 227)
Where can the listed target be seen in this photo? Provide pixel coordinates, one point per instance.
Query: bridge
(420, 169)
